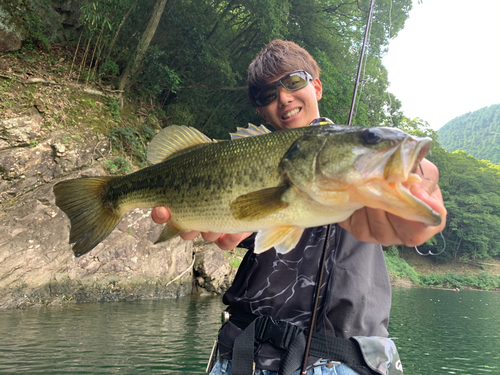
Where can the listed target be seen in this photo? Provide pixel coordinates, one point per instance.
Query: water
(163, 337)
(440, 332)
(447, 332)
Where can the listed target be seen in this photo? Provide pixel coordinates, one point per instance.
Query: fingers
(210, 237)
(188, 236)
(371, 225)
(160, 215)
(225, 241)
(228, 241)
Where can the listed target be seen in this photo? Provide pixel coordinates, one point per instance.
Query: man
(284, 86)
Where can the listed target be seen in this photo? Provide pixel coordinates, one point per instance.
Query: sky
(446, 60)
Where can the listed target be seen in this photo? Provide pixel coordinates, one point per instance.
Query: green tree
(477, 133)
(143, 44)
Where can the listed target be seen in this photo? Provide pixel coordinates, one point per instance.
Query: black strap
(292, 359)
(289, 337)
(243, 351)
(337, 349)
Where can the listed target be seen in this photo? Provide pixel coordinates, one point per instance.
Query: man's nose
(284, 96)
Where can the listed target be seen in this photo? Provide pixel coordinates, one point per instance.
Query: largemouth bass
(275, 183)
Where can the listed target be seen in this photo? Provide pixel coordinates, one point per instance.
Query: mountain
(477, 133)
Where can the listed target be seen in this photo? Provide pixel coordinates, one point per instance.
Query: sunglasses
(291, 82)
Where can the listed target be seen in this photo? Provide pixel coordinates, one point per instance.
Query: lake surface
(439, 332)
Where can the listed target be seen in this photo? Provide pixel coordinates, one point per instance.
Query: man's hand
(225, 241)
(377, 226)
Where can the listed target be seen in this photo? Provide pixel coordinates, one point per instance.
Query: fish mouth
(392, 192)
(403, 163)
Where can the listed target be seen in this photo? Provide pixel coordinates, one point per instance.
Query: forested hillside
(192, 56)
(477, 133)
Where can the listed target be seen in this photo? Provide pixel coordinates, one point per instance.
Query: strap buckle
(280, 333)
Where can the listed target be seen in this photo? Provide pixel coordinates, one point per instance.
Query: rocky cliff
(54, 126)
(37, 20)
(37, 266)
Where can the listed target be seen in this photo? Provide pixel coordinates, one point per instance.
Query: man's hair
(276, 59)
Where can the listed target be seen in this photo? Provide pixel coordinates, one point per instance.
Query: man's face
(293, 109)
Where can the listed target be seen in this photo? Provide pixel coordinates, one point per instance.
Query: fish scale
(275, 184)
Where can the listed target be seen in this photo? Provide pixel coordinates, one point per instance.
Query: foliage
(398, 267)
(235, 256)
(131, 142)
(37, 31)
(483, 280)
(471, 196)
(477, 133)
(114, 108)
(196, 64)
(118, 166)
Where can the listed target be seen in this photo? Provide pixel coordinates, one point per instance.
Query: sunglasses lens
(266, 95)
(294, 81)
(291, 82)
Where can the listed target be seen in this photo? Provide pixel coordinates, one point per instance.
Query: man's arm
(366, 224)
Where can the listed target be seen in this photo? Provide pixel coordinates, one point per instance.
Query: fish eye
(371, 136)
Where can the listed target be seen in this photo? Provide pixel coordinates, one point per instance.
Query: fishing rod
(314, 312)
(362, 55)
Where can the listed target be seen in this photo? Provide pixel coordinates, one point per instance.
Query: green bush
(118, 166)
(132, 142)
(484, 280)
(114, 108)
(398, 267)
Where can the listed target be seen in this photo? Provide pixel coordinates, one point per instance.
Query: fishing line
(430, 253)
(360, 65)
(362, 80)
(387, 91)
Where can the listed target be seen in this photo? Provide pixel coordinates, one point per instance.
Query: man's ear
(261, 113)
(318, 88)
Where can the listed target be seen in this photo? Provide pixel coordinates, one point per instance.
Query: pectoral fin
(259, 204)
(283, 239)
(169, 231)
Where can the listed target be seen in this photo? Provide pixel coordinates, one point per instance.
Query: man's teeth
(291, 113)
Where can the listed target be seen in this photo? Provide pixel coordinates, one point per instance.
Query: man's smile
(291, 113)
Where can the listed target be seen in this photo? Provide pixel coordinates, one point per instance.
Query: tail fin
(92, 220)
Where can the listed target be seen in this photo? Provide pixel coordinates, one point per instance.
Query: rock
(10, 39)
(21, 20)
(19, 132)
(36, 261)
(37, 266)
(213, 270)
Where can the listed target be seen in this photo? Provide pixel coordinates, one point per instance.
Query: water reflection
(445, 332)
(440, 332)
(168, 337)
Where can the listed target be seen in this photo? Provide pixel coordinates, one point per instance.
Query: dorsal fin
(173, 139)
(251, 131)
